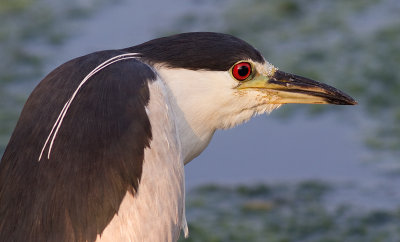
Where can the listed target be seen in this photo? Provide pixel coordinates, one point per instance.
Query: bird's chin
(245, 114)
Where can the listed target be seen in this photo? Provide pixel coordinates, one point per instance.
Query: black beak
(304, 89)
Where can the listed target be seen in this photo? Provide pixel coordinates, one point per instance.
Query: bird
(99, 150)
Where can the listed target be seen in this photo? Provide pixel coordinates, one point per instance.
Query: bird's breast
(156, 211)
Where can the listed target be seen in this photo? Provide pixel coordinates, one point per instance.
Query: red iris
(241, 71)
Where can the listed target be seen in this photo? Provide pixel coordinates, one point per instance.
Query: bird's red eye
(241, 71)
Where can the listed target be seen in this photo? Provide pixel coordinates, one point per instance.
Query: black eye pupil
(243, 70)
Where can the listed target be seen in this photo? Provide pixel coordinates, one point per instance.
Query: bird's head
(218, 81)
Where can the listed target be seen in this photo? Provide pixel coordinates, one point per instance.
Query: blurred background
(303, 173)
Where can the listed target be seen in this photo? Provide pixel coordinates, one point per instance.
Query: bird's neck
(195, 115)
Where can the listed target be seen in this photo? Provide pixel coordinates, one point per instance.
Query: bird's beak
(289, 88)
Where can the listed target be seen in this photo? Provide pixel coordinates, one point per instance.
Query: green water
(280, 213)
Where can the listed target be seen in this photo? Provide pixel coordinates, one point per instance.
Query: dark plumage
(97, 156)
(198, 50)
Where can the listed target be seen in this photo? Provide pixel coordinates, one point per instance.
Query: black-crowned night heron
(98, 153)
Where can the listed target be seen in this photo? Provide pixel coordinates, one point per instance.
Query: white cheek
(209, 100)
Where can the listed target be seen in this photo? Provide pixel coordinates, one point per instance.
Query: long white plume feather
(53, 133)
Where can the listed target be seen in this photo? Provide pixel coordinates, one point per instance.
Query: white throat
(204, 101)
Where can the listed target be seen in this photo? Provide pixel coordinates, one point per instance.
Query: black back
(97, 155)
